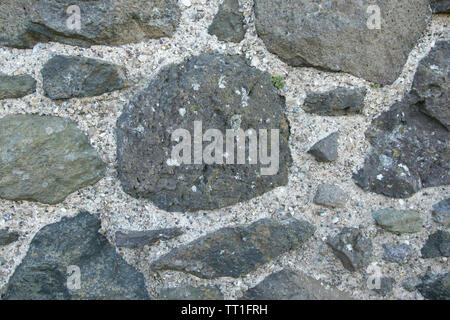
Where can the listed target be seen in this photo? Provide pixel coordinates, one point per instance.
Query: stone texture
(16, 86)
(139, 239)
(44, 159)
(441, 212)
(435, 286)
(330, 195)
(398, 221)
(23, 23)
(236, 251)
(386, 286)
(42, 275)
(290, 285)
(191, 293)
(68, 77)
(326, 149)
(336, 102)
(440, 6)
(398, 253)
(221, 92)
(228, 24)
(352, 248)
(437, 245)
(334, 35)
(7, 237)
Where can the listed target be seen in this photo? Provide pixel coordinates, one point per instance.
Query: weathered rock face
(57, 248)
(437, 245)
(341, 35)
(326, 149)
(228, 24)
(431, 84)
(290, 285)
(45, 159)
(398, 253)
(7, 237)
(336, 102)
(399, 221)
(191, 293)
(23, 23)
(330, 195)
(440, 6)
(236, 251)
(139, 239)
(441, 212)
(435, 287)
(221, 93)
(68, 77)
(16, 86)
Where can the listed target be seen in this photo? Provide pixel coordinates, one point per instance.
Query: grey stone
(16, 86)
(440, 6)
(398, 221)
(336, 102)
(45, 271)
(386, 286)
(236, 251)
(23, 23)
(221, 92)
(441, 212)
(431, 84)
(330, 195)
(410, 284)
(191, 293)
(68, 77)
(289, 285)
(435, 286)
(139, 239)
(352, 248)
(437, 245)
(335, 35)
(7, 237)
(44, 159)
(398, 253)
(326, 149)
(228, 24)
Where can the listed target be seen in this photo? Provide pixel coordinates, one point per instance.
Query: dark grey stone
(330, 195)
(326, 149)
(7, 237)
(435, 286)
(336, 102)
(139, 239)
(440, 6)
(386, 286)
(236, 251)
(441, 212)
(191, 293)
(398, 253)
(398, 221)
(67, 77)
(437, 245)
(228, 24)
(43, 273)
(16, 86)
(221, 92)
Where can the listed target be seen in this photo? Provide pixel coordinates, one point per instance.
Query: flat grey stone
(441, 212)
(437, 245)
(228, 24)
(326, 149)
(336, 102)
(435, 286)
(398, 253)
(16, 86)
(399, 221)
(139, 239)
(7, 237)
(330, 195)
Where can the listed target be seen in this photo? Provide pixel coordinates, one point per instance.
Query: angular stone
(219, 92)
(336, 102)
(330, 195)
(67, 77)
(73, 243)
(435, 287)
(44, 159)
(23, 23)
(398, 253)
(440, 6)
(352, 248)
(326, 149)
(16, 86)
(341, 35)
(290, 285)
(236, 251)
(228, 24)
(386, 286)
(191, 293)
(398, 221)
(441, 212)
(7, 237)
(139, 239)
(431, 84)
(437, 245)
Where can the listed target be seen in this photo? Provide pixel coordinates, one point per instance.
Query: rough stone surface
(351, 248)
(139, 239)
(290, 285)
(435, 286)
(336, 102)
(437, 245)
(7, 237)
(44, 159)
(43, 273)
(334, 35)
(431, 84)
(330, 195)
(326, 149)
(236, 251)
(23, 23)
(221, 92)
(440, 6)
(16, 86)
(228, 24)
(398, 221)
(441, 212)
(68, 77)
(386, 286)
(191, 293)
(398, 253)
